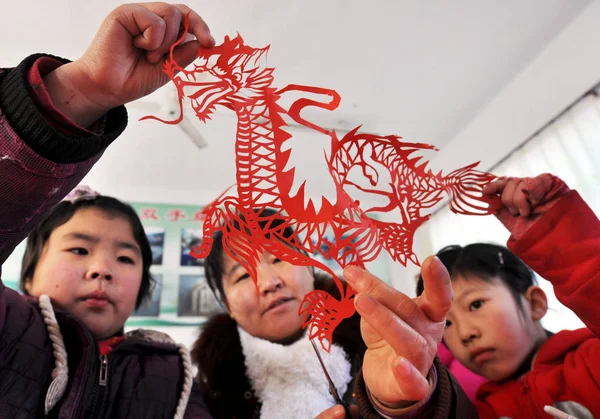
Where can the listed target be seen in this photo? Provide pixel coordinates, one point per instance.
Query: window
(569, 147)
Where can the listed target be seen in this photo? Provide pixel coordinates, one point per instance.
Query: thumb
(414, 386)
(335, 412)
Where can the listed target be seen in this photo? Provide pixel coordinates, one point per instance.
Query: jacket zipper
(98, 396)
(103, 370)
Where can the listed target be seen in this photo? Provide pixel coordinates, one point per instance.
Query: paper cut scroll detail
(263, 216)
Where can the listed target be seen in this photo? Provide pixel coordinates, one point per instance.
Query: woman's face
(271, 312)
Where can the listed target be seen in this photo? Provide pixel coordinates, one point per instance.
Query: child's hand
(124, 61)
(402, 334)
(524, 199)
(512, 193)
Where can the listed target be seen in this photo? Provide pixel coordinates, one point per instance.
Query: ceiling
(423, 70)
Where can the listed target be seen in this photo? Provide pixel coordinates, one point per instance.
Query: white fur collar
(288, 380)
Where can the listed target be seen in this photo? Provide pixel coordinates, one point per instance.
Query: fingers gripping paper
(263, 215)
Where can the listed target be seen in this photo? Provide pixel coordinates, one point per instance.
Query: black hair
(213, 264)
(62, 213)
(488, 262)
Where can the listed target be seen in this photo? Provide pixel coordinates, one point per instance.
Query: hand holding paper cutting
(124, 61)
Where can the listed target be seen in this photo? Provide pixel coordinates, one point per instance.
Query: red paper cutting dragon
(254, 220)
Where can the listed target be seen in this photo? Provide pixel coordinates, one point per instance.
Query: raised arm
(47, 103)
(557, 234)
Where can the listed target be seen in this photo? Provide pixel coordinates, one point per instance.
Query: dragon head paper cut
(257, 218)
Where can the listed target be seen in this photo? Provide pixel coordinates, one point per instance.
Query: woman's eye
(126, 259)
(276, 260)
(475, 305)
(448, 323)
(79, 251)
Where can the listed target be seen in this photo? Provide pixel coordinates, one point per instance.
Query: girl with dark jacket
(86, 266)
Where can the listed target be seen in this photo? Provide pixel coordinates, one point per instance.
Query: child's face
(272, 313)
(486, 331)
(91, 266)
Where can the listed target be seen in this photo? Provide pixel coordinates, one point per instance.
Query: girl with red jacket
(493, 322)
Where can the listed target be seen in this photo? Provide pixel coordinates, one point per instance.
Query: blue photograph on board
(195, 297)
(151, 308)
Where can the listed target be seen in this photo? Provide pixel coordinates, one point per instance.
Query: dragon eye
(218, 71)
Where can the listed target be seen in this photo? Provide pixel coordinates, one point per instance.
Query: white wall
(562, 72)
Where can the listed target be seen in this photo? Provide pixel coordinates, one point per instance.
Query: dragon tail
(465, 189)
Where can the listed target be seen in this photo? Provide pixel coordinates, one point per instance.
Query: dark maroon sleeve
(35, 77)
(196, 408)
(39, 164)
(448, 400)
(43, 129)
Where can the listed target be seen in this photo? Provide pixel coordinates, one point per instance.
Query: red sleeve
(42, 99)
(563, 246)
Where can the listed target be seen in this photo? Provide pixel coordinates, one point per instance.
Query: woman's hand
(338, 412)
(125, 60)
(402, 334)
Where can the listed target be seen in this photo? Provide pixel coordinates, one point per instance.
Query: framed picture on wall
(195, 297)
(156, 238)
(151, 308)
(190, 238)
